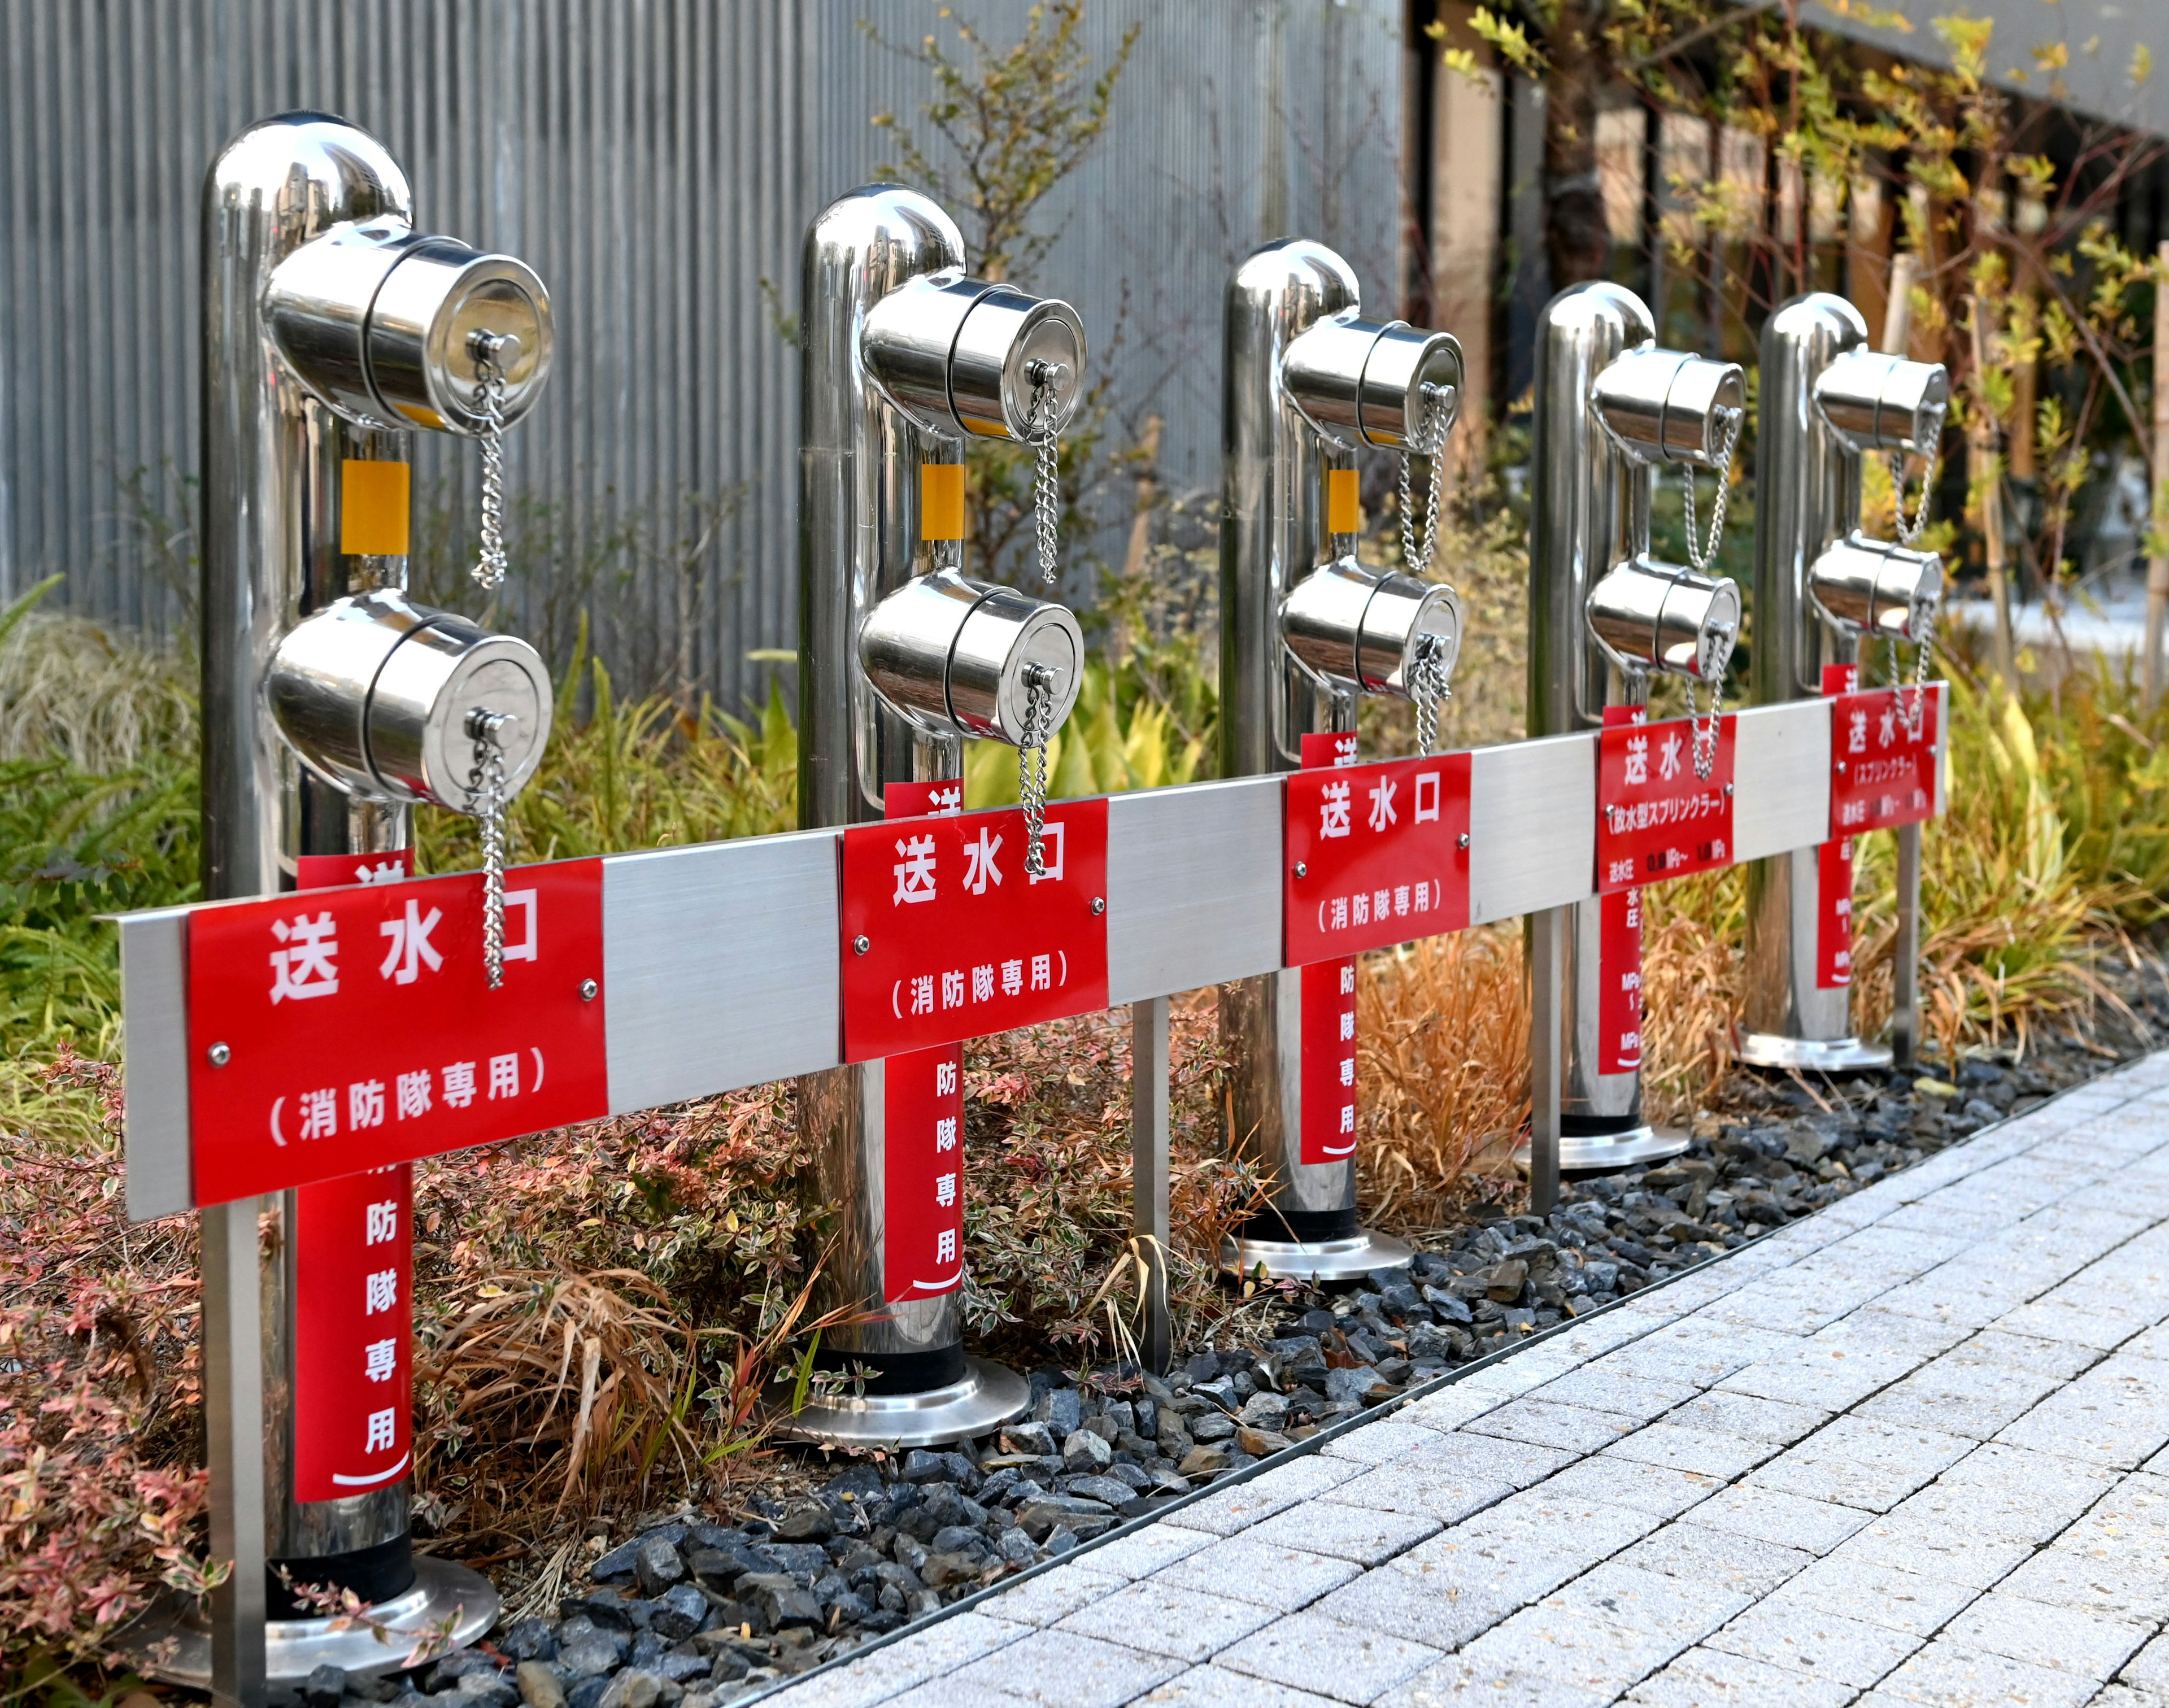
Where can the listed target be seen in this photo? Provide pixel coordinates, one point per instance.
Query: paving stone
(1692, 1551)
(1246, 1569)
(1456, 1682)
(1612, 1626)
(2102, 1331)
(1703, 1353)
(1547, 1423)
(1852, 1462)
(1449, 1408)
(1649, 1488)
(1962, 1397)
(2006, 1490)
(1705, 1678)
(1831, 1377)
(1813, 1640)
(1047, 1597)
(2061, 1359)
(2067, 1638)
(1951, 1675)
(1446, 1496)
(1881, 1594)
(1684, 1448)
(1385, 1440)
(1363, 1534)
(1067, 1669)
(1313, 1652)
(1749, 1415)
(1215, 1687)
(938, 1650)
(2150, 1668)
(1142, 1552)
(1815, 1525)
(2117, 1414)
(937, 1693)
(1225, 1511)
(1442, 1615)
(1602, 1390)
(1164, 1619)
(1935, 1550)
(1488, 1458)
(2120, 1584)
(1520, 1556)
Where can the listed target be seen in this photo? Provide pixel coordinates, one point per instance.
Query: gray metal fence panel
(657, 161)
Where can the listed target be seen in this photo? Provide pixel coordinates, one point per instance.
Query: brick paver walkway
(1908, 1450)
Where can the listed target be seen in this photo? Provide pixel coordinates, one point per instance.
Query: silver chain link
(489, 404)
(1047, 482)
(1702, 556)
(486, 802)
(1429, 688)
(1031, 764)
(1908, 532)
(1703, 735)
(1912, 710)
(1428, 442)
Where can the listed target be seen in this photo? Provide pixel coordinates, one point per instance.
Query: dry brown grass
(1443, 1071)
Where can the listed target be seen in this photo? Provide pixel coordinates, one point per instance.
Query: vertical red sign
(923, 1127)
(354, 1333)
(1619, 955)
(1883, 757)
(1834, 872)
(1328, 1020)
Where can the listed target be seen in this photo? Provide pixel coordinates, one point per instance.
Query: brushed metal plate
(720, 963)
(154, 1071)
(1780, 766)
(1193, 886)
(1531, 826)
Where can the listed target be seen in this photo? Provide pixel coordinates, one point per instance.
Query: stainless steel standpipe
(901, 656)
(330, 329)
(1820, 586)
(1304, 631)
(1604, 614)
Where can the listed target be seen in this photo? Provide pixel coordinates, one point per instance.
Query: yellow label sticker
(375, 505)
(1344, 502)
(942, 501)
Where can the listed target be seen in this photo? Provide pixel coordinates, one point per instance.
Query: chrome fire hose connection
(1822, 585)
(1306, 631)
(902, 656)
(1605, 614)
(331, 329)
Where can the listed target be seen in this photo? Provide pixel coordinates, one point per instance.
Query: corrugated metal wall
(657, 161)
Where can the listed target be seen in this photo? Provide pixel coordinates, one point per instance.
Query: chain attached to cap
(1908, 532)
(1704, 734)
(1430, 688)
(489, 404)
(1428, 442)
(1912, 707)
(1032, 764)
(486, 799)
(1047, 454)
(1699, 554)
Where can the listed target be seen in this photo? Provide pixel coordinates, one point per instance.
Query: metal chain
(1032, 764)
(1910, 714)
(1428, 441)
(1429, 688)
(485, 801)
(1704, 734)
(1046, 482)
(1699, 555)
(489, 404)
(1908, 533)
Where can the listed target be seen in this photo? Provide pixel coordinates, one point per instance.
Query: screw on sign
(1656, 818)
(960, 940)
(340, 1030)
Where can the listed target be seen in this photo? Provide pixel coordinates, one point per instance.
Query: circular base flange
(171, 1641)
(1315, 1260)
(1590, 1153)
(989, 1395)
(1811, 1055)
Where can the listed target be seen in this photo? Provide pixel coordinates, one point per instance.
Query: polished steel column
(1807, 499)
(1589, 509)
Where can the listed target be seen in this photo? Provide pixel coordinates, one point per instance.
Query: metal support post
(2157, 562)
(901, 658)
(1546, 944)
(234, 1439)
(1905, 967)
(1149, 1143)
(1610, 406)
(331, 328)
(1306, 631)
(1822, 586)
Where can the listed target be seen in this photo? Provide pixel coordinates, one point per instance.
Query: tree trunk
(1577, 240)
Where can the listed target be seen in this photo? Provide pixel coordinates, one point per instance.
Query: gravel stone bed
(689, 1613)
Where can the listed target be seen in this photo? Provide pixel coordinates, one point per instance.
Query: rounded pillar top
(885, 234)
(311, 171)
